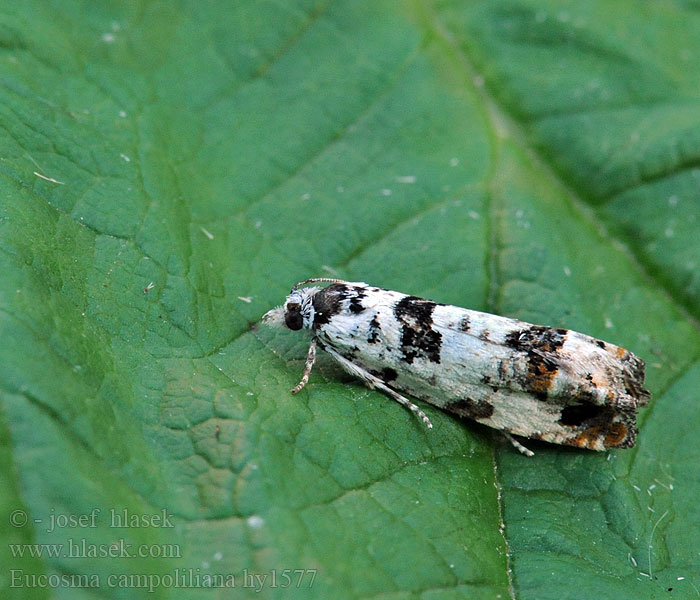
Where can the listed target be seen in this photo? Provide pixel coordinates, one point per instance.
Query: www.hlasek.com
(178, 578)
(81, 548)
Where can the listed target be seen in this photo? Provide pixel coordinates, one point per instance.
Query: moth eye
(292, 316)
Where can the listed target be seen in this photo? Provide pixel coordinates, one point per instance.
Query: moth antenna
(317, 280)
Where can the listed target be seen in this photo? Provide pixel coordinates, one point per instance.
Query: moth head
(296, 313)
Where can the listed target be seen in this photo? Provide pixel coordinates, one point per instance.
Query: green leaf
(169, 170)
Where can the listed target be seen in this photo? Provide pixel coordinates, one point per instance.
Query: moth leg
(374, 382)
(518, 445)
(405, 401)
(310, 359)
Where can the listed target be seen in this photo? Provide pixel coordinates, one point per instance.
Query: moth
(541, 383)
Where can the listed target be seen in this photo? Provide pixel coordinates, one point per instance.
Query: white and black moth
(537, 382)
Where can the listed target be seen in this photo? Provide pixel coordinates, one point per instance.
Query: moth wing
(545, 383)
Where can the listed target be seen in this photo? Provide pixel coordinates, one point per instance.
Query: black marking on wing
(474, 409)
(574, 415)
(418, 338)
(374, 329)
(327, 303)
(387, 374)
(356, 295)
(542, 345)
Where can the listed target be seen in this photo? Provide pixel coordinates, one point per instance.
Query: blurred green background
(169, 169)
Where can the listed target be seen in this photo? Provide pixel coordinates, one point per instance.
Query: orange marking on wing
(616, 434)
(541, 378)
(587, 438)
(541, 372)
